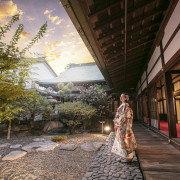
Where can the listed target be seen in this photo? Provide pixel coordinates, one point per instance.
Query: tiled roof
(78, 73)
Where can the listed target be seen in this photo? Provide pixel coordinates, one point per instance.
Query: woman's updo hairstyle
(126, 97)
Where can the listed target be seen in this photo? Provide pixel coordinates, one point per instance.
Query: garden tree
(76, 113)
(97, 97)
(33, 104)
(14, 72)
(65, 89)
(49, 91)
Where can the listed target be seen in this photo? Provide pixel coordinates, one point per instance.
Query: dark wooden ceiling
(107, 21)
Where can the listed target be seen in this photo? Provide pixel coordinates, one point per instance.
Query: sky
(61, 43)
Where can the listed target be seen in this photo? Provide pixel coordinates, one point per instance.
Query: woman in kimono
(124, 143)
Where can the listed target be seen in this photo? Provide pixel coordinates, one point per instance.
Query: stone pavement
(106, 166)
(158, 159)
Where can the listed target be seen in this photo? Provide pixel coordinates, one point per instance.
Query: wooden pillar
(141, 97)
(170, 106)
(148, 101)
(158, 118)
(168, 87)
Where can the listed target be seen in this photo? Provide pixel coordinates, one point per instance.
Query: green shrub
(76, 113)
(71, 125)
(59, 138)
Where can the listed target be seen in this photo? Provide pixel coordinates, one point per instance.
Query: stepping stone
(91, 146)
(39, 139)
(88, 174)
(14, 155)
(40, 146)
(15, 146)
(4, 145)
(68, 147)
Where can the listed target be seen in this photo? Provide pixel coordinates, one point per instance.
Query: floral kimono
(124, 143)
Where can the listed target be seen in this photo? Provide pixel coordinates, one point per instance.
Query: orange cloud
(30, 18)
(59, 21)
(54, 19)
(7, 9)
(25, 34)
(53, 45)
(51, 56)
(48, 11)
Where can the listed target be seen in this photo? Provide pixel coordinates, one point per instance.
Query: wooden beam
(175, 71)
(118, 18)
(140, 45)
(135, 31)
(98, 11)
(133, 81)
(117, 49)
(131, 10)
(110, 43)
(135, 57)
(112, 74)
(136, 60)
(113, 58)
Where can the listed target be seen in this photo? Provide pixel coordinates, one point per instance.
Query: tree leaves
(7, 27)
(14, 71)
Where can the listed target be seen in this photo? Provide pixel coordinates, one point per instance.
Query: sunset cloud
(54, 19)
(7, 9)
(48, 11)
(30, 18)
(59, 21)
(50, 50)
(51, 56)
(53, 45)
(51, 30)
(25, 34)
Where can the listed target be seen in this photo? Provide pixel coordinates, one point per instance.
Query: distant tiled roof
(78, 73)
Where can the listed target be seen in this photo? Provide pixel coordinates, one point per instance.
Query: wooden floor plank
(159, 160)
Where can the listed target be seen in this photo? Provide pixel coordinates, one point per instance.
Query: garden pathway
(158, 159)
(106, 167)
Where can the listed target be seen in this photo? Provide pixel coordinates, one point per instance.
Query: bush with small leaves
(59, 138)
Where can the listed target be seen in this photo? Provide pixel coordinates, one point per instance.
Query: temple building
(81, 75)
(40, 70)
(136, 46)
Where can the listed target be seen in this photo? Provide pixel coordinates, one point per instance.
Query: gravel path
(106, 167)
(57, 164)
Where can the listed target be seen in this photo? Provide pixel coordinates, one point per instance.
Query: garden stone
(88, 174)
(38, 139)
(40, 146)
(106, 166)
(91, 146)
(15, 146)
(84, 178)
(4, 145)
(68, 147)
(14, 155)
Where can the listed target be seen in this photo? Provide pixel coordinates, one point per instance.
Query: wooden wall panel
(144, 85)
(143, 76)
(153, 59)
(173, 47)
(155, 70)
(172, 24)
